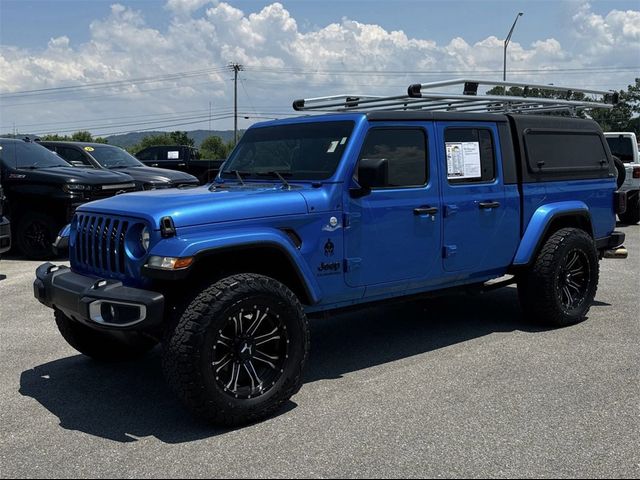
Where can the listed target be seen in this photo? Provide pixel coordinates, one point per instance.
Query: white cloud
(123, 46)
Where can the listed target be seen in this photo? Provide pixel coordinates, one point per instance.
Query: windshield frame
(271, 174)
(133, 161)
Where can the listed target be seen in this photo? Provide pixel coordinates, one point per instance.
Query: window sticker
(333, 146)
(173, 155)
(89, 149)
(463, 160)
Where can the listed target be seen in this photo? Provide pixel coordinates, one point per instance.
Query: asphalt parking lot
(454, 386)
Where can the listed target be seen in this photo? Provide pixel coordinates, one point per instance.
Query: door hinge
(351, 264)
(449, 251)
(349, 219)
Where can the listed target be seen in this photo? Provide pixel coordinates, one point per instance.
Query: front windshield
(112, 157)
(32, 155)
(303, 151)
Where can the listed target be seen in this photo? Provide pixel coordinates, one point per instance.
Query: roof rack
(425, 96)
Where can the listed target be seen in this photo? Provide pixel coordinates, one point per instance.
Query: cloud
(282, 61)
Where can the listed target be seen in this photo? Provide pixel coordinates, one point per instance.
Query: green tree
(213, 147)
(81, 136)
(173, 138)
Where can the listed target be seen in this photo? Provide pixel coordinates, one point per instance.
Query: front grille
(100, 243)
(107, 191)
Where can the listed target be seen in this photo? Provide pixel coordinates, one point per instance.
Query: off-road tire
(621, 173)
(35, 224)
(632, 215)
(539, 288)
(188, 350)
(103, 346)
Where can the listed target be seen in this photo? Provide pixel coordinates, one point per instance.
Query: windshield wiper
(239, 177)
(277, 174)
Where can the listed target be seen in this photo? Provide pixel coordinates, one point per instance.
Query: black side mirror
(372, 172)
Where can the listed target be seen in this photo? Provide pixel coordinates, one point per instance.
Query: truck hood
(202, 205)
(158, 175)
(64, 175)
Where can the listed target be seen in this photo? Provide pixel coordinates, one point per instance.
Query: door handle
(488, 205)
(425, 211)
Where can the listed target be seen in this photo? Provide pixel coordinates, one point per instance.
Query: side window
(405, 151)
(72, 155)
(148, 154)
(470, 155)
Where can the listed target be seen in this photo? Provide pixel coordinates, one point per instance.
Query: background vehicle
(5, 226)
(43, 191)
(180, 157)
(319, 213)
(624, 145)
(110, 157)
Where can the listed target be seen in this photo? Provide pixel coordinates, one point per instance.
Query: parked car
(317, 213)
(110, 157)
(624, 145)
(5, 225)
(43, 192)
(180, 157)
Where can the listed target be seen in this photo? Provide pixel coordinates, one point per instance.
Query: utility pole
(209, 117)
(506, 44)
(235, 67)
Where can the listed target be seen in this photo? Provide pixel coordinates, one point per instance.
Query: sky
(113, 67)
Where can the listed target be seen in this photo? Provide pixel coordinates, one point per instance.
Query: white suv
(624, 145)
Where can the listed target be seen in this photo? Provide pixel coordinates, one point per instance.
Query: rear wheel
(632, 215)
(560, 286)
(35, 234)
(239, 350)
(103, 346)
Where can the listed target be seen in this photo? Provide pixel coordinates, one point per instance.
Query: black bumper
(98, 303)
(612, 241)
(5, 235)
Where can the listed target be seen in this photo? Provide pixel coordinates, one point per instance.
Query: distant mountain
(130, 139)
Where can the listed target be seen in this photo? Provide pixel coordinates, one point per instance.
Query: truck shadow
(123, 402)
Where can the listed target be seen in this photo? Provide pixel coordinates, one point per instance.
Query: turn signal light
(170, 263)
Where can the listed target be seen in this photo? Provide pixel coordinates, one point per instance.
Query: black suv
(43, 191)
(5, 227)
(99, 155)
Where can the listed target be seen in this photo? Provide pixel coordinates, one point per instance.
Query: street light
(506, 44)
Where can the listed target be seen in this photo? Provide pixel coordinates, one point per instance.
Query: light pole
(506, 44)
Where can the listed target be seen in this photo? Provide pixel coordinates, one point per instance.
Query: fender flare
(202, 246)
(539, 224)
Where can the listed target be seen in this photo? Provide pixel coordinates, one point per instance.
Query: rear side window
(565, 152)
(621, 147)
(470, 155)
(405, 151)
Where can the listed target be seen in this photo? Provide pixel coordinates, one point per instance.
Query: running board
(499, 283)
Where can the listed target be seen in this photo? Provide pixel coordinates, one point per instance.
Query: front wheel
(238, 351)
(35, 234)
(560, 286)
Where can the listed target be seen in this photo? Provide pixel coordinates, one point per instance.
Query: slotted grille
(100, 243)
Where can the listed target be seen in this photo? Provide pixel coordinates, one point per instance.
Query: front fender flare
(539, 224)
(205, 243)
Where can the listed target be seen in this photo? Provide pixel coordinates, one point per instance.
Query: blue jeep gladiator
(322, 212)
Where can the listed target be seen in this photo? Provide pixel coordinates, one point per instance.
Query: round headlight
(145, 238)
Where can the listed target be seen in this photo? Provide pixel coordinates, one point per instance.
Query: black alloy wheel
(574, 277)
(251, 349)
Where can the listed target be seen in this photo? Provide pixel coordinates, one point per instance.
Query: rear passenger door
(477, 223)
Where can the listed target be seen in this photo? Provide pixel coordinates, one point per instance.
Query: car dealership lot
(441, 387)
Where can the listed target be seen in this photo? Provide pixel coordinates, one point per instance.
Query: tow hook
(620, 252)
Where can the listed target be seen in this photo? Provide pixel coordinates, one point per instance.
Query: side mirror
(372, 172)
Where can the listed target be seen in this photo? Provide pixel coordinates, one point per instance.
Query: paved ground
(457, 386)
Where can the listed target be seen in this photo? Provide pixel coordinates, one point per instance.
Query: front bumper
(98, 303)
(5, 235)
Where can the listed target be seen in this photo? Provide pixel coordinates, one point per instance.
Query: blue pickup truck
(317, 213)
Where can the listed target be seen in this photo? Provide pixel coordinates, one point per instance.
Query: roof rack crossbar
(423, 97)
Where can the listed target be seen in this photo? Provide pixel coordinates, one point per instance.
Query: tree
(173, 138)
(213, 147)
(81, 136)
